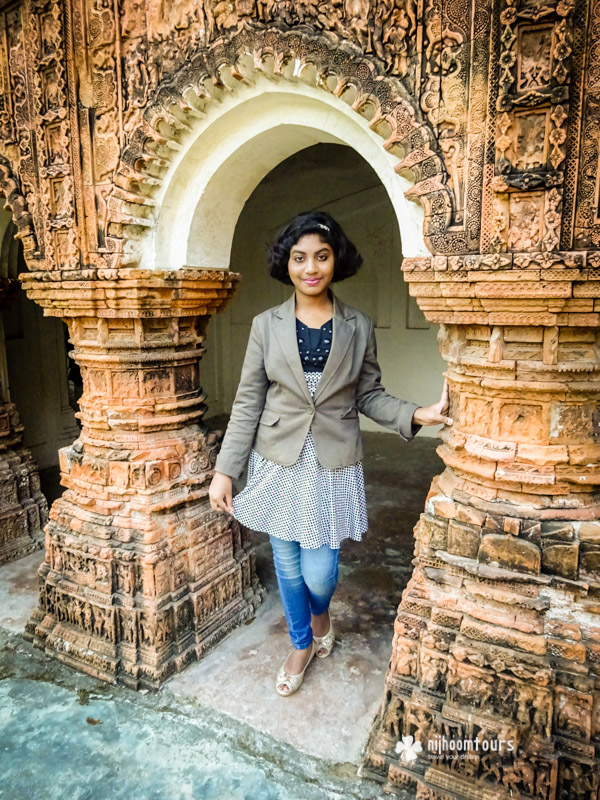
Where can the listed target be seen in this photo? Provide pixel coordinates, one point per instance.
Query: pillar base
(96, 617)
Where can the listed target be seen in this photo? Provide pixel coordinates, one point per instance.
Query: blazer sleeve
(247, 408)
(374, 402)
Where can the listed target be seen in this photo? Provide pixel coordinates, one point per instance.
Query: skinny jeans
(307, 578)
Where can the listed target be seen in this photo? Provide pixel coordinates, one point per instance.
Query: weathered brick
(560, 559)
(558, 530)
(444, 507)
(495, 634)
(432, 532)
(509, 552)
(586, 454)
(573, 423)
(539, 454)
(463, 539)
(593, 653)
(521, 620)
(446, 617)
(470, 514)
(589, 561)
(531, 530)
(591, 632)
(409, 625)
(572, 651)
(522, 334)
(512, 525)
(589, 532)
(419, 606)
(563, 630)
(493, 523)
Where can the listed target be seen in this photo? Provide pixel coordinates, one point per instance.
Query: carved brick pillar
(497, 636)
(140, 575)
(23, 508)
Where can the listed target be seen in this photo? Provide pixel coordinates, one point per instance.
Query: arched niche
(234, 146)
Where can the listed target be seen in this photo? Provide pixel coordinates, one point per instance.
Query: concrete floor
(219, 730)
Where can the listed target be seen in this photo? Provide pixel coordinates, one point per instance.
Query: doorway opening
(373, 573)
(37, 375)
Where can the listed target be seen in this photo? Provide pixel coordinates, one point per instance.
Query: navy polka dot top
(314, 345)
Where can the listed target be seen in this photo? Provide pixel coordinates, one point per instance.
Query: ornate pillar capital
(498, 289)
(128, 293)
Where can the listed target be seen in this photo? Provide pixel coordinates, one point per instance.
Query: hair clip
(320, 224)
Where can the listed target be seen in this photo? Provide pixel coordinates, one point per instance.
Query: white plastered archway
(235, 145)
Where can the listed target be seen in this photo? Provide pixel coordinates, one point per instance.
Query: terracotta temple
(487, 115)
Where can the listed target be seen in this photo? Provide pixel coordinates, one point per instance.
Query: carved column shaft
(140, 575)
(497, 637)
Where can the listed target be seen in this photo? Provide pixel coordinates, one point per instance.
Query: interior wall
(36, 360)
(333, 178)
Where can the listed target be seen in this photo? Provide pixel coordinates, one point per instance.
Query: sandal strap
(293, 682)
(325, 642)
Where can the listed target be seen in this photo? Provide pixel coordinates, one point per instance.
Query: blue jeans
(307, 578)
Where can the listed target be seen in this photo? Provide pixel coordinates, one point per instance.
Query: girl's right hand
(220, 493)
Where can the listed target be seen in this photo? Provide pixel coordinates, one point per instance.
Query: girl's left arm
(391, 412)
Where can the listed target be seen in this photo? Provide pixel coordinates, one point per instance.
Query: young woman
(310, 367)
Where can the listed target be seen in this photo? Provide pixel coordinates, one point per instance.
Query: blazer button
(309, 410)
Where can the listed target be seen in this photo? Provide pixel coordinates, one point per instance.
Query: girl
(310, 367)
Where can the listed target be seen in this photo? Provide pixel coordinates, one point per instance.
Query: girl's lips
(312, 281)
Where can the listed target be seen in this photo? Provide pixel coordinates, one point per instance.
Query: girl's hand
(220, 493)
(435, 414)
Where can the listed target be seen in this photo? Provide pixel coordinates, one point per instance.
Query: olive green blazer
(273, 409)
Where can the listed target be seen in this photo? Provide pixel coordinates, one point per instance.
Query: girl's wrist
(223, 474)
(416, 419)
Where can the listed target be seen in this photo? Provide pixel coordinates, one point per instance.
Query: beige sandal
(325, 642)
(293, 682)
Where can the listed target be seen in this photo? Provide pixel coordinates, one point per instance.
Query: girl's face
(311, 265)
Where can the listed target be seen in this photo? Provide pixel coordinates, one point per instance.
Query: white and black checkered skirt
(304, 502)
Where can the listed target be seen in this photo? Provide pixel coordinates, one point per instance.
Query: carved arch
(319, 60)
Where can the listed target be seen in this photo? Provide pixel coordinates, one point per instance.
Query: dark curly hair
(347, 259)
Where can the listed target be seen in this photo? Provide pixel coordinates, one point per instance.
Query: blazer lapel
(285, 329)
(344, 325)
